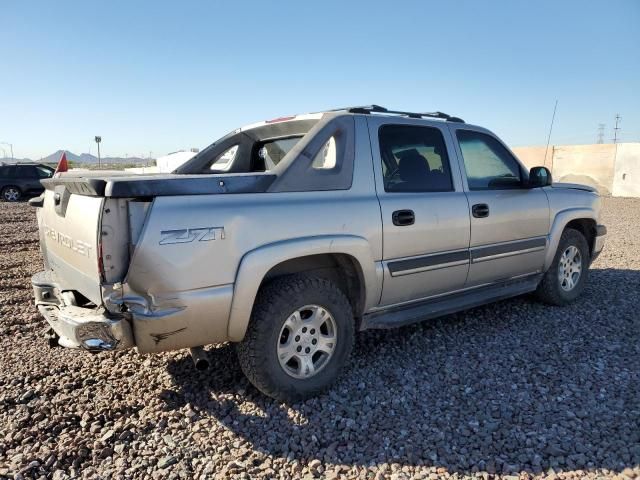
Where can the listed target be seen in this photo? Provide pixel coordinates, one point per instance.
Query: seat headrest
(412, 165)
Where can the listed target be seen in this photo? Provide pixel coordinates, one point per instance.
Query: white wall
(614, 169)
(626, 175)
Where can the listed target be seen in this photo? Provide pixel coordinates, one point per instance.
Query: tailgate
(69, 225)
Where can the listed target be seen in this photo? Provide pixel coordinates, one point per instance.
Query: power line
(616, 128)
(601, 132)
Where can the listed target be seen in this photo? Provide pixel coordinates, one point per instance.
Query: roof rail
(367, 109)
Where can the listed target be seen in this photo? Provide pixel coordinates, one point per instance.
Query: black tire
(275, 303)
(550, 289)
(11, 193)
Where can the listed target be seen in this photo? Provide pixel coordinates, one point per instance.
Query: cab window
(414, 159)
(488, 164)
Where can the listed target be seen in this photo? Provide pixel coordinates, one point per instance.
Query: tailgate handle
(56, 199)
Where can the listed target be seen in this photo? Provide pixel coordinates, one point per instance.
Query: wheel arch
(330, 257)
(581, 219)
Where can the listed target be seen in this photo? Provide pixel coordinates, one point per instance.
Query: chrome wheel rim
(307, 341)
(11, 194)
(570, 268)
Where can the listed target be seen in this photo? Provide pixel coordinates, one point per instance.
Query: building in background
(167, 163)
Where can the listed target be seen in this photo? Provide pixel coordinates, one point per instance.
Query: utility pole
(601, 132)
(616, 128)
(11, 147)
(98, 140)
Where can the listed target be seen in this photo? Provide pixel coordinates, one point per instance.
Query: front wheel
(299, 338)
(567, 277)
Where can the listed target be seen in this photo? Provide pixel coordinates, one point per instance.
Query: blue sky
(161, 76)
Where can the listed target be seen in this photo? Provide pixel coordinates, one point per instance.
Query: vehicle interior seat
(414, 171)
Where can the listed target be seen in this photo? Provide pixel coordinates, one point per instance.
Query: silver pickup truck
(287, 236)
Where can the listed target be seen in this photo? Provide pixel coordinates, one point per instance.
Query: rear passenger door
(28, 178)
(509, 221)
(425, 214)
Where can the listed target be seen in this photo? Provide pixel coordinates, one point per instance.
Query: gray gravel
(514, 389)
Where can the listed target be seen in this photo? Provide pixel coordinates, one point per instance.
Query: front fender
(256, 263)
(560, 221)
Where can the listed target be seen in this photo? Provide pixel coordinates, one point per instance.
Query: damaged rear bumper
(91, 329)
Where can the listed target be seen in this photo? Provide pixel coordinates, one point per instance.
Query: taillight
(100, 262)
(280, 119)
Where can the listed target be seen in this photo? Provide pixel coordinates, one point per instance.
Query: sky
(160, 76)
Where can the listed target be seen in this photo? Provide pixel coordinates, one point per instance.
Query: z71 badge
(188, 235)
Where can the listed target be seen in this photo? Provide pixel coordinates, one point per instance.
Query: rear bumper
(79, 327)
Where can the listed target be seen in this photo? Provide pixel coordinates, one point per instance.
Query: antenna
(550, 129)
(601, 132)
(616, 128)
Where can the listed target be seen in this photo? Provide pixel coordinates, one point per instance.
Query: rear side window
(488, 164)
(327, 156)
(223, 162)
(44, 172)
(26, 171)
(414, 159)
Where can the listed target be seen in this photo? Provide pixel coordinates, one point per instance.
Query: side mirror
(539, 177)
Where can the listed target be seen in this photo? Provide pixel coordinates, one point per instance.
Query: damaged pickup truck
(289, 235)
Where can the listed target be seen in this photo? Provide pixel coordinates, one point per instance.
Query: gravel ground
(513, 389)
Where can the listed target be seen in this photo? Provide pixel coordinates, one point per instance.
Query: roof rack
(378, 109)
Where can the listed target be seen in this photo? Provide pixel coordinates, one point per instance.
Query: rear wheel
(299, 337)
(567, 277)
(11, 193)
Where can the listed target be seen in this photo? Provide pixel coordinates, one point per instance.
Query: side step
(437, 307)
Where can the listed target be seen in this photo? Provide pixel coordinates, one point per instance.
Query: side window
(44, 172)
(326, 157)
(488, 164)
(26, 171)
(414, 159)
(224, 161)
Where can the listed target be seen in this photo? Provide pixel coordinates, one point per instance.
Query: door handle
(402, 218)
(480, 210)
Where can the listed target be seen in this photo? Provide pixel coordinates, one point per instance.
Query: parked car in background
(21, 179)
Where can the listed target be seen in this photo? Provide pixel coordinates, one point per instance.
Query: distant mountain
(86, 158)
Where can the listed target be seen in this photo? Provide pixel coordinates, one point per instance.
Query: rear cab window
(256, 148)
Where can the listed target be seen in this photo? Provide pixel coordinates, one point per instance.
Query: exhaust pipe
(200, 360)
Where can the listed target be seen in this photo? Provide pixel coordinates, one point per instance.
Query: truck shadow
(505, 388)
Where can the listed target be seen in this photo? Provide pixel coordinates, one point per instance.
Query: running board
(437, 307)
